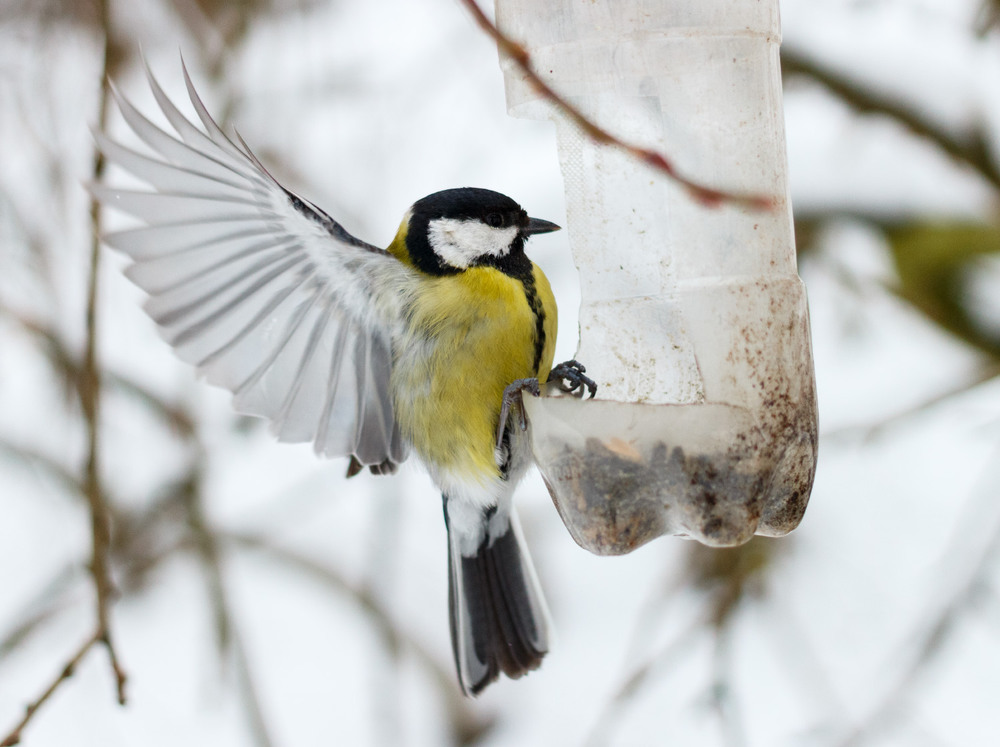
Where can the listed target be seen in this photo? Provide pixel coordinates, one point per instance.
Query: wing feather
(327, 437)
(378, 430)
(261, 290)
(151, 242)
(215, 132)
(165, 207)
(299, 414)
(167, 175)
(216, 162)
(162, 274)
(362, 436)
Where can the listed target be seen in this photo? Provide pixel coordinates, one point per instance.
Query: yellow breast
(468, 336)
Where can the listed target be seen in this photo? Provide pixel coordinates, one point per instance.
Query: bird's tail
(499, 621)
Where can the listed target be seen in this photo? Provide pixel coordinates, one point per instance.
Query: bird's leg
(514, 394)
(569, 376)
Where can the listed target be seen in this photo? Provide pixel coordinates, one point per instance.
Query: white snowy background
(877, 622)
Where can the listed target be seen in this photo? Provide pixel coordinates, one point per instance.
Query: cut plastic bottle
(693, 320)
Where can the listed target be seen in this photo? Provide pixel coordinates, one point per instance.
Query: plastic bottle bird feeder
(693, 320)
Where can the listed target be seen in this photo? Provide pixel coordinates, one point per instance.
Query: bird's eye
(494, 219)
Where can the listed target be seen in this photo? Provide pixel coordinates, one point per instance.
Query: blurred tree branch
(724, 695)
(637, 678)
(26, 457)
(959, 593)
(90, 391)
(986, 373)
(219, 25)
(89, 386)
(933, 259)
(988, 17)
(726, 577)
(467, 728)
(45, 606)
(206, 545)
(972, 149)
(68, 367)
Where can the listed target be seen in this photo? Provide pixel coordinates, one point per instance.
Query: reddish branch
(705, 195)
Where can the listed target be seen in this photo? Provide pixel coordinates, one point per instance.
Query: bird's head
(450, 231)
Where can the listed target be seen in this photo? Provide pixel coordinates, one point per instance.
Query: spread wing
(263, 292)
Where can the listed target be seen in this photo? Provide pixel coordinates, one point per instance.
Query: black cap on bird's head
(453, 230)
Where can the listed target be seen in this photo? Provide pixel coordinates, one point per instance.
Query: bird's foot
(570, 377)
(514, 395)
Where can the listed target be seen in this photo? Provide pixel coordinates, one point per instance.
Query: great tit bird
(367, 353)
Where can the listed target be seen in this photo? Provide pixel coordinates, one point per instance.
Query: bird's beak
(537, 225)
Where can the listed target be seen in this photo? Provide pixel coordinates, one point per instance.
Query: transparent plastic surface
(693, 320)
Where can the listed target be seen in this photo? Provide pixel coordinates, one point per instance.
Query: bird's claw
(514, 394)
(570, 377)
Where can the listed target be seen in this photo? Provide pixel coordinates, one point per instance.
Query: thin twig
(705, 195)
(14, 737)
(89, 392)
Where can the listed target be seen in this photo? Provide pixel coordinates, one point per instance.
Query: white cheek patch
(460, 242)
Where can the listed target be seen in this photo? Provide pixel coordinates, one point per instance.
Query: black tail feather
(498, 618)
